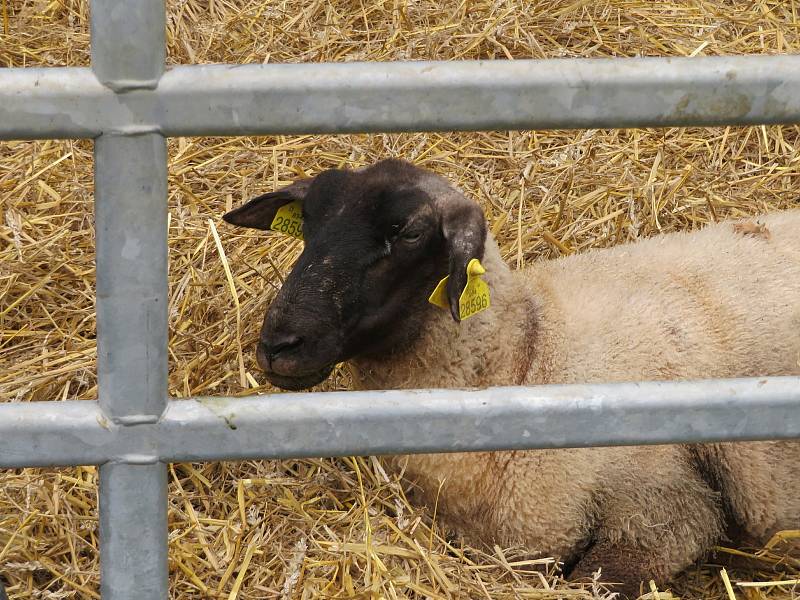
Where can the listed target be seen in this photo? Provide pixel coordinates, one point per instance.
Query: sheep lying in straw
(721, 302)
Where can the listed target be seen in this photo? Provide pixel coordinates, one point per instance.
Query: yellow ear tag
(473, 299)
(289, 220)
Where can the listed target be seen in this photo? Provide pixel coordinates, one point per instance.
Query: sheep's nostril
(277, 345)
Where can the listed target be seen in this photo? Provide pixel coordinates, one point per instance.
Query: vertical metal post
(130, 201)
(128, 46)
(128, 43)
(131, 225)
(133, 531)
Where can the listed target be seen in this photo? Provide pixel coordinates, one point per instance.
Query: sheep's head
(377, 242)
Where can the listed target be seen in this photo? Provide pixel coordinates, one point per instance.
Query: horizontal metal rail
(405, 96)
(391, 422)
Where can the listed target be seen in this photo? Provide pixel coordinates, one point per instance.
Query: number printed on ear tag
(289, 220)
(475, 296)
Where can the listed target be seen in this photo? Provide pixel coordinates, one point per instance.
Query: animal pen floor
(342, 528)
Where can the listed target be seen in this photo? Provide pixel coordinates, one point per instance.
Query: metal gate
(129, 104)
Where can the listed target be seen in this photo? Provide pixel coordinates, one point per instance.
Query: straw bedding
(342, 528)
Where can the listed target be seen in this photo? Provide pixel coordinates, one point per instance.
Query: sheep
(720, 302)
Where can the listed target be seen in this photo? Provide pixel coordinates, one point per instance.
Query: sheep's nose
(278, 345)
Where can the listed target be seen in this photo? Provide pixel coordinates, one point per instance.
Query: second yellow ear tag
(289, 220)
(473, 299)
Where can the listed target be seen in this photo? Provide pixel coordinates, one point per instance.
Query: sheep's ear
(464, 230)
(259, 212)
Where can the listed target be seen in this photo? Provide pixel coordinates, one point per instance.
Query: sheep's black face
(376, 244)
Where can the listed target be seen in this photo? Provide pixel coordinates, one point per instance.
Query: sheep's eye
(411, 236)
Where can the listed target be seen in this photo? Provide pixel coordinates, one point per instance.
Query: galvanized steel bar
(557, 416)
(479, 95)
(391, 422)
(47, 103)
(131, 225)
(406, 96)
(133, 531)
(128, 43)
(131, 218)
(46, 434)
